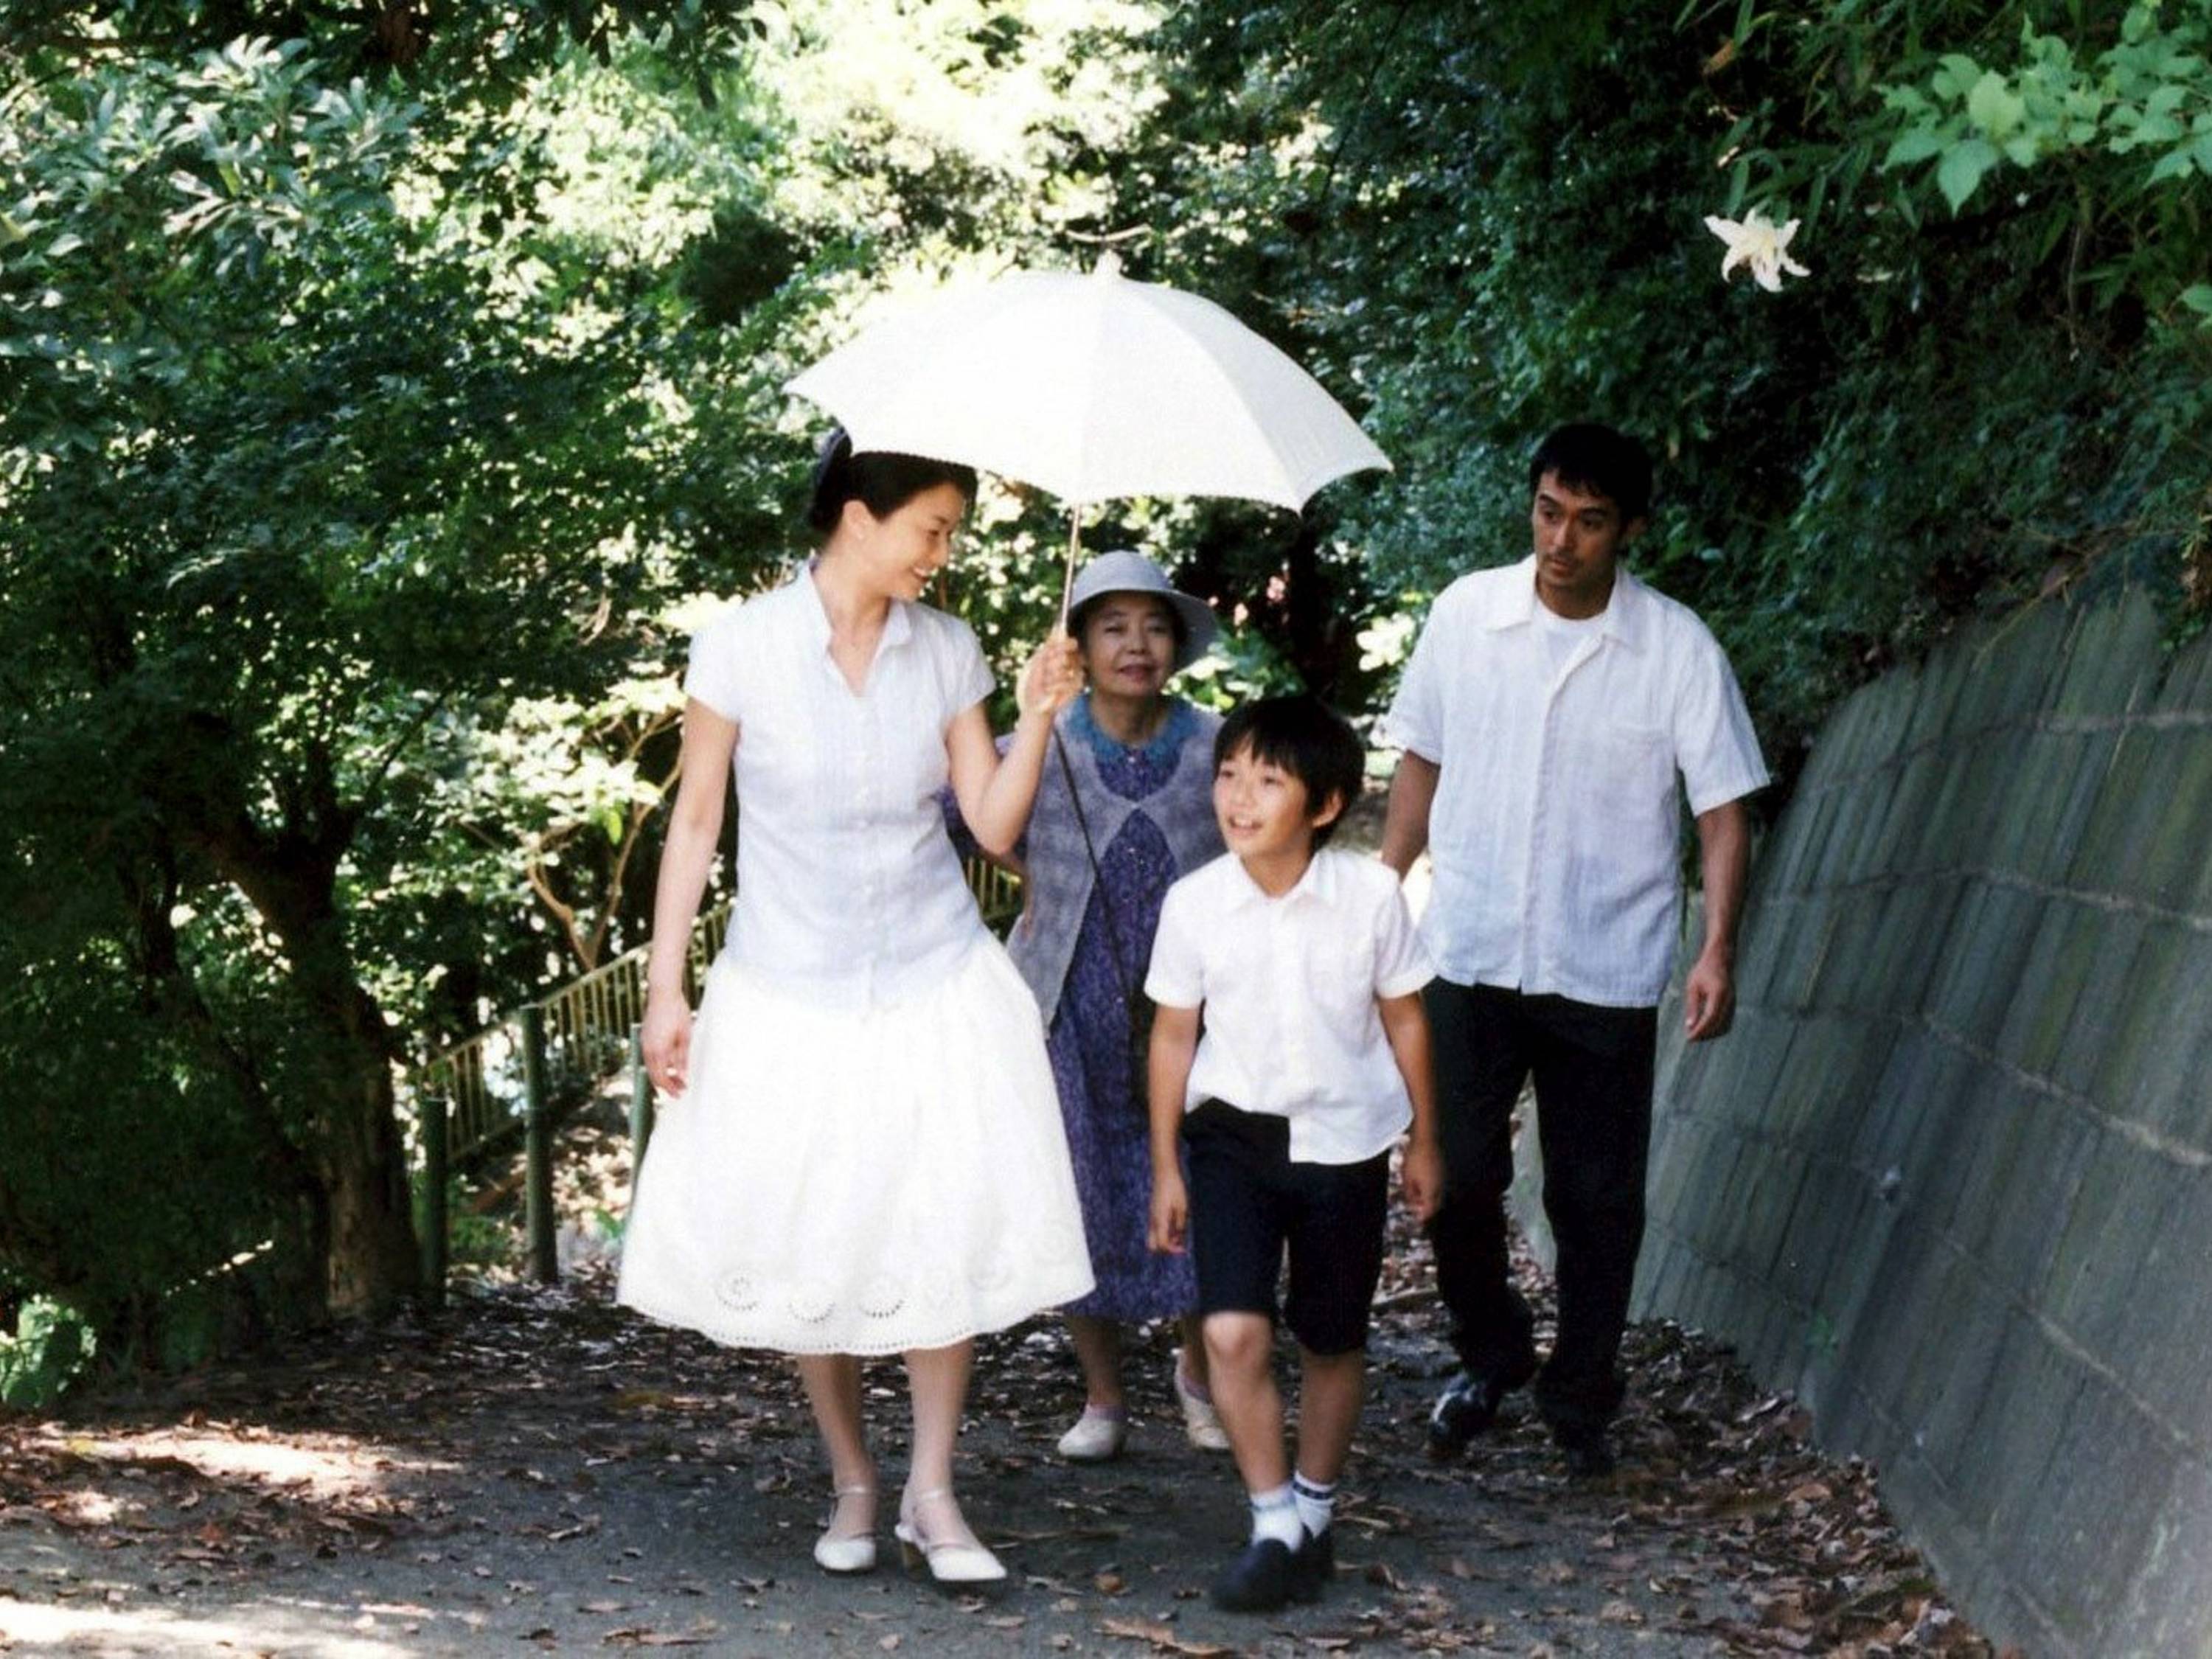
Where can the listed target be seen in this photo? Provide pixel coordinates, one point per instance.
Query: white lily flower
(1761, 243)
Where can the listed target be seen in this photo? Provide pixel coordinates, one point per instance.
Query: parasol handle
(1067, 580)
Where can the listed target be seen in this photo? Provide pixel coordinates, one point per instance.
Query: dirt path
(537, 1468)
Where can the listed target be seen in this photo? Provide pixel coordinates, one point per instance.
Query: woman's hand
(665, 1038)
(1051, 678)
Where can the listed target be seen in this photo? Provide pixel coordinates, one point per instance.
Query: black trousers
(1593, 1068)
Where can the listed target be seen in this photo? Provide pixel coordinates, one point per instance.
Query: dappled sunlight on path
(540, 1468)
(270, 1629)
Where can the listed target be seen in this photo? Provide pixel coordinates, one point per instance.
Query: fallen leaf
(1164, 1637)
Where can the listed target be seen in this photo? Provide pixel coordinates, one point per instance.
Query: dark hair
(1308, 739)
(1079, 618)
(1594, 457)
(878, 479)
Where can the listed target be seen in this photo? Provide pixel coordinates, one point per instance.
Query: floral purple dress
(1102, 1100)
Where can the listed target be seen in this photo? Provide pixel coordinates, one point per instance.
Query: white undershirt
(1562, 634)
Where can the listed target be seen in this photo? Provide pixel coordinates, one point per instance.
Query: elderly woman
(1125, 807)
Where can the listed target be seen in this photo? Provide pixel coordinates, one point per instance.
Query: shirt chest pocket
(1634, 764)
(1339, 977)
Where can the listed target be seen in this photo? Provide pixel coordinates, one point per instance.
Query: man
(1545, 714)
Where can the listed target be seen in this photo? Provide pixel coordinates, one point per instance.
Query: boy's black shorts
(1248, 1199)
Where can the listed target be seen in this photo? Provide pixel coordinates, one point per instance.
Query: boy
(1314, 1058)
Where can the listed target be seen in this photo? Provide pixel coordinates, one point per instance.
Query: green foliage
(381, 405)
(300, 462)
(2149, 93)
(1488, 220)
(52, 1347)
(377, 420)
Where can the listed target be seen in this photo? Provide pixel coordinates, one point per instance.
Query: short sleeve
(712, 675)
(963, 671)
(1177, 978)
(1416, 720)
(1714, 742)
(1401, 960)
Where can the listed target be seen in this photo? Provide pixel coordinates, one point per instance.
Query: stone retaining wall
(1950, 1178)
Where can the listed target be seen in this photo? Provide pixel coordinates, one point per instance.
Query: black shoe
(1468, 1405)
(1260, 1579)
(1313, 1568)
(1588, 1452)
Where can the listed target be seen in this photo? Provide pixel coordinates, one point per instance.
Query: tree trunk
(353, 1144)
(355, 1148)
(373, 1261)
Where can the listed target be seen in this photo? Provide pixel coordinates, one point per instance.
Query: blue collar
(1174, 732)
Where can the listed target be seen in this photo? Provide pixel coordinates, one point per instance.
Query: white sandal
(844, 1552)
(960, 1564)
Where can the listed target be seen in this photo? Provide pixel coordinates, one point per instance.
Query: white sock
(1315, 1503)
(1275, 1515)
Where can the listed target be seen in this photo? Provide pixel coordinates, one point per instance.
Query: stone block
(1912, 1280)
(1856, 1317)
(1984, 966)
(2110, 834)
(2160, 1004)
(2173, 1096)
(2000, 1466)
(1914, 1358)
(1816, 1234)
(2101, 1238)
(2077, 1546)
(2109, 992)
(2108, 658)
(2163, 1347)
(1919, 926)
(2165, 1609)
(1920, 1083)
(2036, 1149)
(2040, 1016)
(2177, 814)
(1951, 1381)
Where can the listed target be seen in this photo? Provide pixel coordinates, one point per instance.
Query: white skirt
(837, 1181)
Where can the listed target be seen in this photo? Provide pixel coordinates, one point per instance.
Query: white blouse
(848, 886)
(1290, 986)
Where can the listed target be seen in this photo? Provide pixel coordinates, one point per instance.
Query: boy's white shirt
(1289, 989)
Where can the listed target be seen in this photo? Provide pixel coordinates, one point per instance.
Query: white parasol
(1093, 388)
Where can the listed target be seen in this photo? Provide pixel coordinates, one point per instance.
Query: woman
(868, 1160)
(1126, 807)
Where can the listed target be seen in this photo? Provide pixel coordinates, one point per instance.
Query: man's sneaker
(1468, 1405)
(1588, 1452)
(1262, 1577)
(1314, 1569)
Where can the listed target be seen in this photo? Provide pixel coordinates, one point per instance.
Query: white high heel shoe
(962, 1565)
(843, 1552)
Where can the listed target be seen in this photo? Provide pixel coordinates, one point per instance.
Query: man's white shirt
(1556, 830)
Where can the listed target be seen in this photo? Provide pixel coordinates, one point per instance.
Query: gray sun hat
(1124, 572)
